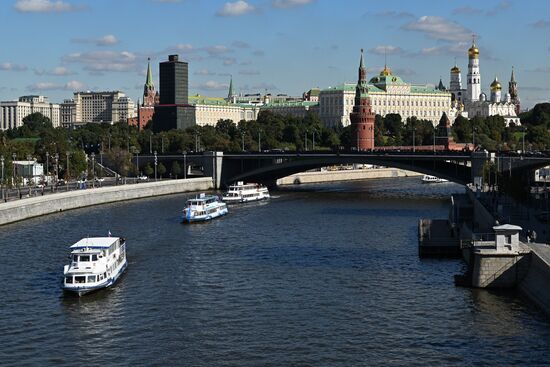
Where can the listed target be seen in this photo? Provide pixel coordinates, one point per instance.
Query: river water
(322, 275)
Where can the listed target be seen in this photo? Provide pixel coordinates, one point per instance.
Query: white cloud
(203, 72)
(284, 4)
(8, 66)
(107, 40)
(72, 85)
(44, 6)
(57, 71)
(541, 24)
(105, 61)
(217, 50)
(386, 50)
(229, 61)
(467, 10)
(235, 9)
(240, 44)
(502, 5)
(439, 28)
(211, 85)
(395, 14)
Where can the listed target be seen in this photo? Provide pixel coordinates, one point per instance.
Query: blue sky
(54, 47)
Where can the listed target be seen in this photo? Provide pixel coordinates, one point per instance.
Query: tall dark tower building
(513, 91)
(362, 117)
(174, 87)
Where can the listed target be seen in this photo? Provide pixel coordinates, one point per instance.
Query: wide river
(321, 275)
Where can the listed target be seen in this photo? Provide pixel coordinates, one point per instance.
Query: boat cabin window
(84, 257)
(91, 278)
(80, 279)
(94, 257)
(75, 258)
(69, 280)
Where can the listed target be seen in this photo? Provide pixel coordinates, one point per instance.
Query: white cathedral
(472, 102)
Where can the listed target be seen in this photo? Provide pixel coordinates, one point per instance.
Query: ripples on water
(321, 275)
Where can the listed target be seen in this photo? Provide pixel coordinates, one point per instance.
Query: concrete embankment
(14, 211)
(535, 283)
(344, 175)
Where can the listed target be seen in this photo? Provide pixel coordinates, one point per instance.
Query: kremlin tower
(362, 117)
(146, 109)
(513, 91)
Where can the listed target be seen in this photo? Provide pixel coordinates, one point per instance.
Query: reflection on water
(319, 275)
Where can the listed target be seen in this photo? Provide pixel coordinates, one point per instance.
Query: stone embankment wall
(499, 271)
(535, 284)
(344, 175)
(14, 211)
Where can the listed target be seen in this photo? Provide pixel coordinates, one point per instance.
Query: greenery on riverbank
(69, 151)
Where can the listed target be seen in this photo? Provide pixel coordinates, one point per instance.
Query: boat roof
(95, 242)
(203, 198)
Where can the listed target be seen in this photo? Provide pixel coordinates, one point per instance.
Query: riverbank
(345, 175)
(15, 211)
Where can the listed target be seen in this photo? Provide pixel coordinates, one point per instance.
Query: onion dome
(473, 52)
(455, 70)
(386, 71)
(495, 85)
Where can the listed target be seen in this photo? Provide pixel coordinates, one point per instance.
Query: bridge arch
(268, 170)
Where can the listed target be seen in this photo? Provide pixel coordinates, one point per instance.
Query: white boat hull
(204, 218)
(82, 290)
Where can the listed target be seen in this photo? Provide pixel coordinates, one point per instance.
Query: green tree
(148, 170)
(161, 169)
(176, 169)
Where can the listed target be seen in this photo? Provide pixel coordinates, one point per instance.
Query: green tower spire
(149, 81)
(231, 93)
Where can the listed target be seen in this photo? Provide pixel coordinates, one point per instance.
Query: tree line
(68, 151)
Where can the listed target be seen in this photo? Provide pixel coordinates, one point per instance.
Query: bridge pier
(213, 163)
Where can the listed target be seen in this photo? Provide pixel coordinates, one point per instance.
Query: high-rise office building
(174, 91)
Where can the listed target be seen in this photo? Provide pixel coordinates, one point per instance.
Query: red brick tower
(362, 117)
(150, 99)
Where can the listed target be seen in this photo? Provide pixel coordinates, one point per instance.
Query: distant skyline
(56, 47)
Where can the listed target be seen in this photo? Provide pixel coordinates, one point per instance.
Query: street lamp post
(109, 142)
(435, 129)
(2, 183)
(68, 168)
(313, 140)
(414, 140)
(259, 141)
(150, 142)
(137, 163)
(156, 165)
(29, 157)
(305, 140)
(523, 141)
(242, 137)
(47, 166)
(56, 167)
(13, 164)
(93, 169)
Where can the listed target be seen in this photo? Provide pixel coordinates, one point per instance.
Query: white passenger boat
(432, 179)
(96, 262)
(243, 193)
(203, 208)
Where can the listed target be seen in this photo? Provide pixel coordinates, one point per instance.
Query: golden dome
(386, 71)
(473, 52)
(455, 70)
(495, 85)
